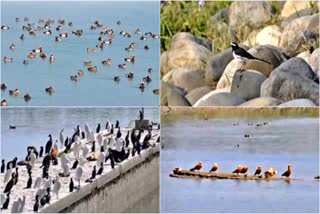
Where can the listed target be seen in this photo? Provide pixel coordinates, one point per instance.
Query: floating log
(180, 173)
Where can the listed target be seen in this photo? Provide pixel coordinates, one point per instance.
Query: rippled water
(98, 89)
(187, 141)
(34, 124)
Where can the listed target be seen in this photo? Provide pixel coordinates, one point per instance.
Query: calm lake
(187, 141)
(93, 88)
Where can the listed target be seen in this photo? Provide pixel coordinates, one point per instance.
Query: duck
(93, 68)
(106, 62)
(197, 167)
(12, 47)
(244, 170)
(7, 59)
(147, 79)
(22, 37)
(48, 32)
(118, 22)
(89, 63)
(270, 172)
(37, 50)
(127, 35)
(123, 66)
(133, 45)
(146, 47)
(100, 45)
(77, 32)
(116, 78)
(128, 49)
(238, 170)
(33, 32)
(155, 36)
(143, 38)
(80, 72)
(258, 171)
(50, 90)
(17, 19)
(288, 172)
(70, 24)
(150, 70)
(64, 34)
(91, 50)
(74, 78)
(142, 86)
(214, 167)
(31, 55)
(14, 92)
(109, 41)
(51, 59)
(27, 97)
(92, 27)
(3, 86)
(156, 91)
(5, 27)
(58, 39)
(130, 75)
(25, 62)
(43, 55)
(130, 59)
(137, 31)
(4, 103)
(59, 27)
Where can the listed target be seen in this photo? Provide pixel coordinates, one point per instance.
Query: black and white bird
(241, 54)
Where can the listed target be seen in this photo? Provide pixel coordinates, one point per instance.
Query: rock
(187, 51)
(252, 38)
(188, 79)
(217, 64)
(294, 8)
(247, 84)
(194, 95)
(298, 103)
(261, 102)
(270, 35)
(221, 15)
(164, 63)
(293, 79)
(218, 98)
(314, 60)
(251, 13)
(287, 20)
(172, 96)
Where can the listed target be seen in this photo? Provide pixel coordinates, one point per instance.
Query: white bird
(3, 198)
(76, 149)
(66, 169)
(37, 183)
(21, 206)
(61, 138)
(32, 158)
(92, 138)
(112, 143)
(105, 146)
(41, 192)
(15, 206)
(57, 186)
(55, 145)
(47, 183)
(85, 151)
(87, 130)
(64, 159)
(119, 144)
(79, 173)
(108, 126)
(101, 159)
(8, 173)
(100, 139)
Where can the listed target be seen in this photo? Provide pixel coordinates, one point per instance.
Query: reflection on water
(34, 124)
(287, 140)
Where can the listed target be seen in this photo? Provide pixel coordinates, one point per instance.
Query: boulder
(251, 13)
(304, 12)
(194, 95)
(262, 102)
(293, 79)
(188, 51)
(247, 84)
(172, 96)
(270, 35)
(314, 60)
(188, 79)
(298, 103)
(294, 8)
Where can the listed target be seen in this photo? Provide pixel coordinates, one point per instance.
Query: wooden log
(179, 173)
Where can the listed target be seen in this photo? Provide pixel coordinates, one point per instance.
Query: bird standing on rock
(258, 171)
(288, 172)
(48, 145)
(197, 167)
(214, 167)
(242, 54)
(71, 185)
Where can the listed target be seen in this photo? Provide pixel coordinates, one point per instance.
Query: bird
(197, 167)
(48, 144)
(100, 169)
(46, 161)
(10, 184)
(22, 203)
(3, 166)
(3, 199)
(36, 204)
(117, 124)
(94, 173)
(61, 137)
(8, 173)
(16, 176)
(57, 186)
(288, 172)
(242, 54)
(75, 164)
(37, 183)
(98, 128)
(29, 182)
(244, 170)
(78, 175)
(71, 185)
(258, 171)
(270, 172)
(238, 170)
(41, 151)
(214, 167)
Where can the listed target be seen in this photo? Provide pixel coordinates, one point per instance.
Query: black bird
(68, 146)
(158, 140)
(93, 147)
(3, 165)
(36, 204)
(112, 161)
(94, 173)
(75, 164)
(118, 133)
(66, 142)
(111, 131)
(127, 139)
(48, 196)
(43, 200)
(102, 149)
(41, 151)
(16, 176)
(48, 144)
(29, 183)
(46, 161)
(13, 163)
(100, 169)
(6, 203)
(28, 167)
(10, 183)
(45, 172)
(83, 135)
(117, 124)
(98, 128)
(35, 151)
(71, 185)
(107, 124)
(240, 53)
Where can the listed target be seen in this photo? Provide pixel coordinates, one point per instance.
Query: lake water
(92, 89)
(33, 125)
(187, 141)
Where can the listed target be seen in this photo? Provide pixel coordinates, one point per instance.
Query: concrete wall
(124, 189)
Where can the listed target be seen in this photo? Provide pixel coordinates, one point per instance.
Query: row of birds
(90, 67)
(104, 147)
(244, 169)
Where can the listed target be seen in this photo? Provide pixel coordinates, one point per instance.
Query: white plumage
(62, 138)
(8, 174)
(37, 183)
(85, 151)
(57, 186)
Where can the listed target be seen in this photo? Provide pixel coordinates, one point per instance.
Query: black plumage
(6, 203)
(118, 133)
(240, 53)
(117, 124)
(71, 185)
(3, 166)
(36, 204)
(127, 139)
(100, 169)
(10, 184)
(112, 129)
(98, 128)
(94, 173)
(48, 145)
(16, 176)
(41, 151)
(93, 147)
(46, 161)
(29, 182)
(75, 164)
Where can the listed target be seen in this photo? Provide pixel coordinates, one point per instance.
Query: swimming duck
(109, 41)
(3, 86)
(27, 97)
(43, 55)
(133, 45)
(155, 36)
(122, 32)
(77, 32)
(4, 103)
(197, 167)
(37, 50)
(12, 47)
(51, 59)
(150, 70)
(147, 79)
(100, 38)
(288, 172)
(22, 37)
(59, 27)
(48, 32)
(100, 45)
(142, 86)
(123, 66)
(116, 78)
(106, 62)
(4, 27)
(25, 62)
(74, 78)
(80, 72)
(143, 38)
(64, 34)
(130, 59)
(31, 55)
(148, 34)
(146, 47)
(58, 39)
(118, 22)
(70, 24)
(33, 32)
(91, 50)
(7, 59)
(93, 27)
(50, 90)
(128, 49)
(137, 31)
(89, 63)
(156, 91)
(130, 75)
(61, 21)
(93, 68)
(14, 92)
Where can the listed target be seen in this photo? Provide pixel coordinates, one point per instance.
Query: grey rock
(172, 96)
(298, 103)
(188, 79)
(194, 95)
(262, 102)
(219, 99)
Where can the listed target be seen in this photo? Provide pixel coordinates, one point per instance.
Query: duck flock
(64, 165)
(61, 30)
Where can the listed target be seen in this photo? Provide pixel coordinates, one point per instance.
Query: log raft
(180, 173)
